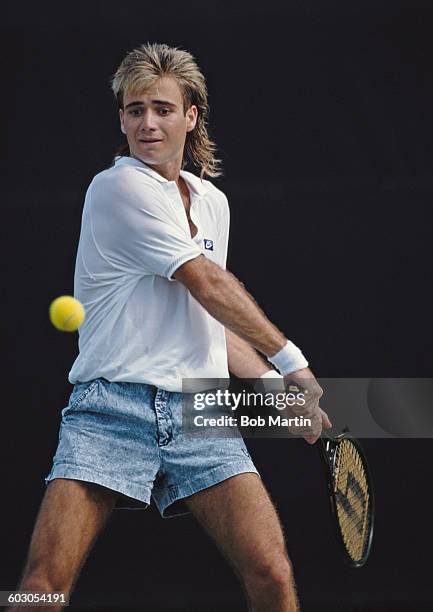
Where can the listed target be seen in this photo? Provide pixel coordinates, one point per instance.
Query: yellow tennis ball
(67, 313)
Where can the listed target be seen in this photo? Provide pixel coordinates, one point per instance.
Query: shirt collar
(193, 181)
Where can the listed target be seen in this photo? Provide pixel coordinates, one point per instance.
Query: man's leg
(239, 515)
(71, 516)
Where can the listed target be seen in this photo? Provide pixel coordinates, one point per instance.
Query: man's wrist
(289, 359)
(270, 381)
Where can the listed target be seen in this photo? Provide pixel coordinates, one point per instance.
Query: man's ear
(121, 117)
(191, 118)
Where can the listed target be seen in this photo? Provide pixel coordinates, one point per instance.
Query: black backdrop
(322, 114)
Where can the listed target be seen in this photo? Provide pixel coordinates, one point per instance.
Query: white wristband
(271, 385)
(289, 359)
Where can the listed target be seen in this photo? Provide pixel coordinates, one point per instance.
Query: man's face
(155, 124)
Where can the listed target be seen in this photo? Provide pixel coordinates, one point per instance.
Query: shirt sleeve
(224, 228)
(136, 228)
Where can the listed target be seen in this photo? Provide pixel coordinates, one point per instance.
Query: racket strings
(352, 499)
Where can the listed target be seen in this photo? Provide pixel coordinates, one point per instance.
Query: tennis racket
(350, 490)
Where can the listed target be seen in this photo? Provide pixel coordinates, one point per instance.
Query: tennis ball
(66, 313)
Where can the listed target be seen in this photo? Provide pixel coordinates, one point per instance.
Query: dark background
(322, 113)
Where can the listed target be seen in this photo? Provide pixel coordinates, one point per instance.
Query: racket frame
(327, 446)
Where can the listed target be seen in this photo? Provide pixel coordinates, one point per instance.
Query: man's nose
(148, 120)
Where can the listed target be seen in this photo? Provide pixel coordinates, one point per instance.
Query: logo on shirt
(208, 244)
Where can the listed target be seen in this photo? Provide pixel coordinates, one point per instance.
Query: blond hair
(142, 67)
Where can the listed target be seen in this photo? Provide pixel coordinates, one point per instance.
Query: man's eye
(164, 111)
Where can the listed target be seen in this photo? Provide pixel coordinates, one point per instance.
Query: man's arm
(243, 360)
(225, 298)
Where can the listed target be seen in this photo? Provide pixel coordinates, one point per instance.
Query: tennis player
(161, 307)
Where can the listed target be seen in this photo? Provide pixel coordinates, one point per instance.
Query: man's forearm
(243, 360)
(231, 304)
(226, 299)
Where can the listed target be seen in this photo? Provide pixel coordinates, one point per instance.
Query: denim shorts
(128, 437)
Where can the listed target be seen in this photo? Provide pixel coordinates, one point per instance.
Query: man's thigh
(71, 515)
(240, 516)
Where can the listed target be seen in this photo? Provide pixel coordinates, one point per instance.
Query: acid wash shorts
(128, 437)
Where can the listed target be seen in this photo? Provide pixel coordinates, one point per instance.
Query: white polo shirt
(141, 324)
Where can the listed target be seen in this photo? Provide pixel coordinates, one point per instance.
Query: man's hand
(307, 382)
